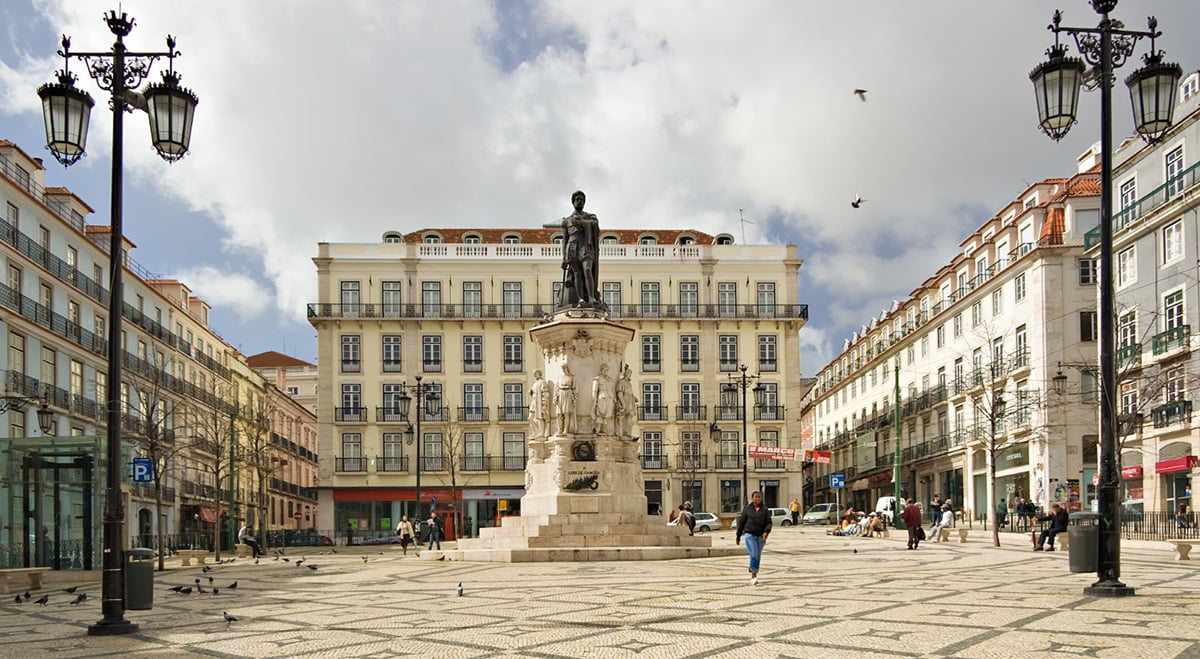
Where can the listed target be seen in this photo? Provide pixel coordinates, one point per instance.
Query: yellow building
(453, 307)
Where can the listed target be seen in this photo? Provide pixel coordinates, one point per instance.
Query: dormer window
(472, 239)
(724, 239)
(648, 240)
(687, 240)
(392, 237)
(609, 240)
(511, 239)
(431, 239)
(1190, 86)
(557, 239)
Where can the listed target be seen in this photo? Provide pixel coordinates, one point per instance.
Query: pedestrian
(1058, 524)
(435, 531)
(1001, 513)
(405, 530)
(945, 520)
(912, 521)
(754, 522)
(795, 508)
(246, 537)
(689, 517)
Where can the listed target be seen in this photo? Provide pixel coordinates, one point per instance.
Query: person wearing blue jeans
(754, 522)
(435, 532)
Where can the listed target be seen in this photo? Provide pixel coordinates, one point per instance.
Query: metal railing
(1173, 338)
(540, 311)
(1177, 411)
(508, 413)
(391, 464)
(658, 461)
(350, 465)
(1149, 203)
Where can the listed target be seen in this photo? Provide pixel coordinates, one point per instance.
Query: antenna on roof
(744, 222)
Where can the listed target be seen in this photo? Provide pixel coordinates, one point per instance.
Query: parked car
(390, 539)
(306, 539)
(707, 522)
(781, 517)
(886, 507)
(821, 513)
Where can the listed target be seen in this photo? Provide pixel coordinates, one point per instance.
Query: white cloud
(233, 291)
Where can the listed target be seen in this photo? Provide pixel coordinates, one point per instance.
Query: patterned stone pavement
(818, 598)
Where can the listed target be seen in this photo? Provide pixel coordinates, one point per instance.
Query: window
(472, 239)
(689, 352)
(472, 299)
(431, 452)
(392, 238)
(958, 325)
(1128, 197)
(513, 353)
(351, 398)
(1126, 267)
(1021, 346)
(610, 291)
(431, 299)
(514, 402)
(689, 401)
(925, 346)
(511, 239)
(72, 258)
(728, 352)
(1174, 169)
(650, 298)
(393, 452)
(514, 451)
(101, 387)
(1087, 386)
(1087, 272)
(652, 450)
(391, 299)
(16, 354)
(1172, 310)
(351, 353)
(1173, 388)
(472, 353)
(1172, 241)
(1019, 287)
(689, 298)
(473, 402)
(1129, 397)
(766, 299)
(648, 240)
(473, 458)
(73, 314)
(941, 336)
(76, 375)
(350, 297)
(727, 298)
(1127, 329)
(976, 314)
(652, 401)
(731, 493)
(512, 299)
(651, 353)
(431, 354)
(431, 239)
(997, 302)
(769, 438)
(352, 448)
(1087, 326)
(14, 215)
(769, 410)
(766, 352)
(391, 353)
(609, 240)
(392, 393)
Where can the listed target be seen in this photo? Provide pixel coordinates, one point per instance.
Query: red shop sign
(1132, 472)
(1178, 464)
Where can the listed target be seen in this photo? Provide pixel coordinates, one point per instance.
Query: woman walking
(405, 530)
(755, 524)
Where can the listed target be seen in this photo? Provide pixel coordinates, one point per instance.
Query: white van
(886, 507)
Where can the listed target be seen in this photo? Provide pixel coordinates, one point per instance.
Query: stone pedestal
(584, 495)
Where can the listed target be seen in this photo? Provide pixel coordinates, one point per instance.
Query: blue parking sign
(143, 470)
(837, 480)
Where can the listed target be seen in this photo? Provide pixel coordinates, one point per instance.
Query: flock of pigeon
(199, 586)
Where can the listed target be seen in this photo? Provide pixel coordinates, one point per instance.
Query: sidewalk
(820, 596)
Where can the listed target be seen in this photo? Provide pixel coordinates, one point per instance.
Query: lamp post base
(112, 628)
(1108, 589)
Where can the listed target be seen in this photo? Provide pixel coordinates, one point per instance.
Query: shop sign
(772, 453)
(1131, 472)
(820, 457)
(876, 479)
(1015, 456)
(1185, 463)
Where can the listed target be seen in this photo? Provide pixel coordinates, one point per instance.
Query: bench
(34, 575)
(944, 535)
(243, 551)
(186, 555)
(962, 535)
(1182, 548)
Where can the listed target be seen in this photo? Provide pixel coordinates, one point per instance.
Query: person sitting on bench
(1058, 524)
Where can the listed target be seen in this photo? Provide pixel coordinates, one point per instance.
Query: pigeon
(186, 591)
(276, 558)
(18, 599)
(80, 598)
(45, 599)
(228, 618)
(288, 559)
(312, 566)
(200, 589)
(72, 589)
(334, 551)
(210, 580)
(364, 559)
(176, 589)
(300, 562)
(27, 596)
(857, 201)
(197, 582)
(862, 95)
(216, 591)
(206, 569)
(855, 551)
(232, 586)
(460, 589)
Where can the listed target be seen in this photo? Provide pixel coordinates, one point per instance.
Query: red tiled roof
(545, 235)
(272, 359)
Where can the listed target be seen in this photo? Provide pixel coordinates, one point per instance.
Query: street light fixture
(45, 415)
(66, 110)
(1152, 91)
(429, 394)
(729, 400)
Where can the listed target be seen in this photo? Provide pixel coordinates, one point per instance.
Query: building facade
(991, 359)
(453, 307)
(1155, 262)
(180, 392)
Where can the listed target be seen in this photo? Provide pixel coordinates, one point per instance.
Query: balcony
(431, 366)
(768, 413)
(729, 461)
(391, 464)
(1018, 360)
(392, 366)
(687, 462)
(768, 464)
(437, 415)
(351, 366)
(767, 365)
(474, 463)
(541, 311)
(654, 462)
(509, 413)
(473, 414)
(1145, 206)
(651, 365)
(1172, 339)
(691, 412)
(350, 414)
(1129, 356)
(1175, 412)
(472, 366)
(652, 413)
(350, 465)
(689, 365)
(728, 413)
(433, 463)
(389, 415)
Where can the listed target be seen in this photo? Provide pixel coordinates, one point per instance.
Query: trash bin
(1084, 532)
(139, 579)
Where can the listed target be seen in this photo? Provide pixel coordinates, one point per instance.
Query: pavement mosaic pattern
(820, 596)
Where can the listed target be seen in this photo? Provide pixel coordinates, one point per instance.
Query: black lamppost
(1152, 89)
(433, 406)
(66, 110)
(45, 415)
(729, 400)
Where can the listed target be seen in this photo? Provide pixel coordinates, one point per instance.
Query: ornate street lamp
(45, 415)
(729, 400)
(66, 110)
(1152, 92)
(432, 398)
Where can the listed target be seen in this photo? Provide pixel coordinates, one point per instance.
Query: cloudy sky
(323, 121)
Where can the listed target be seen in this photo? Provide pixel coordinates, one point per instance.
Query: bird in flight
(857, 201)
(228, 618)
(861, 94)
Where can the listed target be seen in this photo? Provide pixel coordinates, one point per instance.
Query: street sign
(143, 470)
(297, 515)
(837, 480)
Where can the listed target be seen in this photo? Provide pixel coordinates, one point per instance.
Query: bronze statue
(581, 247)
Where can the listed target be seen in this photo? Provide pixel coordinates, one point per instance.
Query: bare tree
(214, 432)
(454, 459)
(256, 452)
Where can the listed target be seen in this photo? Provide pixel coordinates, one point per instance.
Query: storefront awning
(1185, 463)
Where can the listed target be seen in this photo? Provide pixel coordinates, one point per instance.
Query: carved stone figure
(626, 404)
(603, 403)
(541, 406)
(581, 246)
(565, 402)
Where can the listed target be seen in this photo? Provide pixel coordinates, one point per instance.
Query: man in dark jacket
(755, 523)
(1058, 524)
(912, 521)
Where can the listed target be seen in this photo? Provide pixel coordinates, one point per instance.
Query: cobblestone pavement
(818, 598)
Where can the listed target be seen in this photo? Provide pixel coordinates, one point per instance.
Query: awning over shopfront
(1185, 463)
